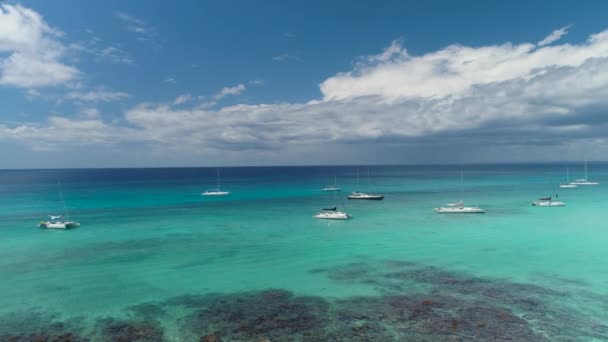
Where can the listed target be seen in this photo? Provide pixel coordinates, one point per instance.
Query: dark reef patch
(415, 303)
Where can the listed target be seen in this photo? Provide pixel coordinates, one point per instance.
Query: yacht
(459, 207)
(584, 181)
(217, 191)
(57, 222)
(548, 202)
(568, 184)
(332, 214)
(358, 195)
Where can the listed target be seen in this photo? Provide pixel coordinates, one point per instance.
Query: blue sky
(188, 83)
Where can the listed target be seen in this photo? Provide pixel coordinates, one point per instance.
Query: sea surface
(154, 260)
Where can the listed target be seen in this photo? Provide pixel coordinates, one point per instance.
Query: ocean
(154, 260)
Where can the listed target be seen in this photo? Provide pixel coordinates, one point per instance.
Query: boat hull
(215, 193)
(548, 204)
(463, 210)
(366, 197)
(59, 225)
(336, 215)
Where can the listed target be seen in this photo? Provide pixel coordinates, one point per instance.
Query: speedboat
(56, 222)
(332, 214)
(548, 202)
(364, 196)
(458, 208)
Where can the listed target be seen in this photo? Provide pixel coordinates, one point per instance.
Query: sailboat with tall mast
(217, 191)
(568, 184)
(584, 181)
(458, 207)
(333, 187)
(358, 195)
(58, 221)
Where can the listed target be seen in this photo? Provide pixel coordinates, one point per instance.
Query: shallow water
(156, 261)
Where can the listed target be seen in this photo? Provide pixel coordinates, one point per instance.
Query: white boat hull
(568, 186)
(459, 210)
(59, 225)
(215, 193)
(577, 183)
(364, 196)
(548, 204)
(332, 215)
(331, 188)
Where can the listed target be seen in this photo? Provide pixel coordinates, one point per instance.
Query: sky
(231, 83)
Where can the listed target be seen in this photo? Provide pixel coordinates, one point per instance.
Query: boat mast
(461, 186)
(65, 208)
(586, 169)
(357, 179)
(218, 178)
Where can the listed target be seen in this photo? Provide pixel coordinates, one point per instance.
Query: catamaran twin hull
(59, 225)
(548, 204)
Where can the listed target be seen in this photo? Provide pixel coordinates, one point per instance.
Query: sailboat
(58, 221)
(217, 191)
(363, 195)
(332, 187)
(584, 181)
(458, 207)
(568, 184)
(332, 213)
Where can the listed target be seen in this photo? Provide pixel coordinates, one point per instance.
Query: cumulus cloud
(498, 96)
(226, 91)
(184, 98)
(34, 50)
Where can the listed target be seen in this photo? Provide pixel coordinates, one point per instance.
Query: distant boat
(332, 213)
(568, 184)
(458, 207)
(548, 202)
(217, 191)
(358, 195)
(332, 187)
(57, 221)
(584, 181)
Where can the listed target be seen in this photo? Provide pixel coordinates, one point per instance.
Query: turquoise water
(154, 260)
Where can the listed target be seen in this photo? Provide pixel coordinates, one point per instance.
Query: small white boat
(364, 196)
(548, 202)
(56, 222)
(332, 215)
(584, 181)
(568, 184)
(217, 191)
(333, 187)
(458, 207)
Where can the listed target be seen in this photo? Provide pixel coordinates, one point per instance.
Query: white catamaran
(358, 195)
(58, 221)
(568, 184)
(217, 191)
(458, 207)
(584, 181)
(332, 213)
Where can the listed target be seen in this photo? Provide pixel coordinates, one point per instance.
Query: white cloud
(98, 95)
(170, 80)
(554, 36)
(34, 49)
(226, 91)
(284, 57)
(91, 113)
(183, 99)
(498, 96)
(138, 26)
